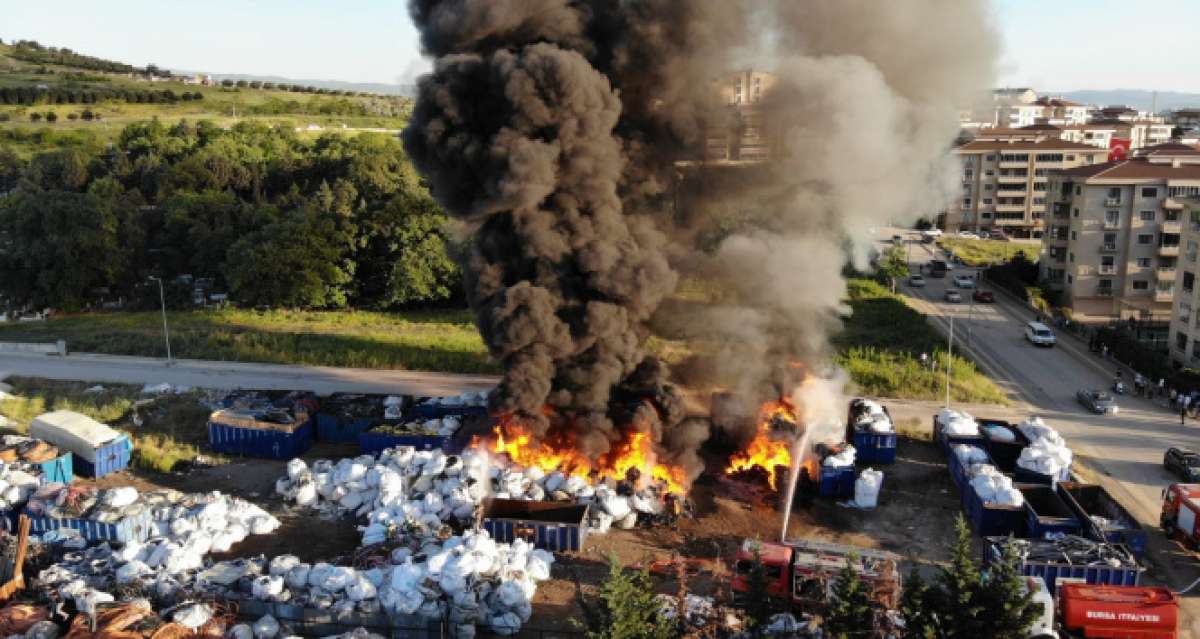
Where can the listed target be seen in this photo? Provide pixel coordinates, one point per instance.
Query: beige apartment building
(747, 140)
(1112, 240)
(1004, 181)
(1184, 336)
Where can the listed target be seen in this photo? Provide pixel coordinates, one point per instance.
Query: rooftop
(1055, 102)
(1047, 144)
(1135, 169)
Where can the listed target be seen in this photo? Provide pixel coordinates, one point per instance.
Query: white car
(967, 235)
(1039, 334)
(916, 281)
(952, 296)
(964, 281)
(934, 232)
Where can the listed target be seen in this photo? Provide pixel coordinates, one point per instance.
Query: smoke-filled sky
(1057, 45)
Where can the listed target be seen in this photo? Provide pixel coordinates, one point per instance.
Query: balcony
(1165, 273)
(1171, 204)
(1173, 227)
(1011, 208)
(1112, 201)
(1062, 210)
(1111, 224)
(1014, 164)
(1104, 291)
(1171, 250)
(1108, 248)
(1012, 179)
(1164, 295)
(1107, 269)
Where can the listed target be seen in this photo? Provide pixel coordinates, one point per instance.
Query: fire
(765, 450)
(636, 452)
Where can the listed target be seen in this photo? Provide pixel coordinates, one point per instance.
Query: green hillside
(55, 98)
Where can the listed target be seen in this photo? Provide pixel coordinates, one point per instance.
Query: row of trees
(32, 51)
(29, 96)
(963, 602)
(273, 219)
(284, 86)
(86, 115)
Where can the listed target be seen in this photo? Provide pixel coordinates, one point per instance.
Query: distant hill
(378, 88)
(1136, 98)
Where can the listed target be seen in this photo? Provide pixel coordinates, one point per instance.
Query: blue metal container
(1004, 454)
(837, 482)
(430, 411)
(989, 520)
(373, 442)
(958, 472)
(263, 443)
(110, 458)
(330, 428)
(875, 448)
(1086, 500)
(138, 528)
(1046, 513)
(1051, 571)
(551, 526)
(1026, 476)
(57, 470)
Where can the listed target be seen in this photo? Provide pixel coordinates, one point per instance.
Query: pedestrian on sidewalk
(1183, 404)
(1104, 351)
(924, 360)
(1172, 396)
(1182, 414)
(1161, 383)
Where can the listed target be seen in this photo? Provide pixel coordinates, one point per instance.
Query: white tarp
(72, 431)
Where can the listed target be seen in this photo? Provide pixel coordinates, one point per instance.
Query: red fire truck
(1180, 517)
(1118, 612)
(800, 572)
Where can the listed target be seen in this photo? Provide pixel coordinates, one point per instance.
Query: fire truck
(1136, 612)
(801, 572)
(1180, 517)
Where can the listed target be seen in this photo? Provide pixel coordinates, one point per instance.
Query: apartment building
(1112, 240)
(747, 139)
(1184, 335)
(1004, 182)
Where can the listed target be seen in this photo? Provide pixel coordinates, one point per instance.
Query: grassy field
(166, 431)
(417, 340)
(983, 252)
(881, 346)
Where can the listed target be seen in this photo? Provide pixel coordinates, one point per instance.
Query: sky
(1051, 45)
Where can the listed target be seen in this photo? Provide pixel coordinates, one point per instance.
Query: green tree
(1010, 607)
(918, 606)
(72, 116)
(758, 600)
(35, 117)
(960, 604)
(403, 254)
(241, 84)
(626, 607)
(226, 83)
(851, 612)
(51, 117)
(11, 168)
(297, 262)
(892, 265)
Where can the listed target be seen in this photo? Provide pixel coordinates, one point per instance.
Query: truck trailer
(800, 572)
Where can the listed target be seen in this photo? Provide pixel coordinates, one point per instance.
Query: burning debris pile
(775, 441)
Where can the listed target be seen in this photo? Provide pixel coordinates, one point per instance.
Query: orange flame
(765, 451)
(636, 451)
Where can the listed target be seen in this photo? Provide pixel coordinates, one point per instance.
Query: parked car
(982, 296)
(1097, 401)
(934, 232)
(967, 235)
(1183, 462)
(953, 296)
(915, 280)
(983, 235)
(1039, 334)
(964, 281)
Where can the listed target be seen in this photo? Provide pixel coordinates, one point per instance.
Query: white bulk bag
(866, 488)
(72, 431)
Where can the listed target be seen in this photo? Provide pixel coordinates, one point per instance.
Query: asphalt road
(231, 375)
(1125, 450)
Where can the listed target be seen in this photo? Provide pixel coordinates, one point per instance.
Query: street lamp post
(162, 297)
(949, 359)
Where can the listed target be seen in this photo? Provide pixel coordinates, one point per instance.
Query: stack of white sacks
(844, 459)
(393, 407)
(957, 423)
(992, 486)
(477, 400)
(188, 528)
(866, 488)
(874, 419)
(1047, 452)
(468, 579)
(418, 491)
(17, 483)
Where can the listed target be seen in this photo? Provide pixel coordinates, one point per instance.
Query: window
(991, 158)
(1147, 216)
(1143, 262)
(1070, 257)
(1049, 157)
(1112, 217)
(1110, 238)
(1107, 260)
(1104, 283)
(966, 202)
(1171, 216)
(1145, 238)
(987, 200)
(1181, 341)
(1070, 279)
(1078, 190)
(1114, 192)
(1076, 212)
(988, 187)
(968, 174)
(986, 215)
(1195, 349)
(1150, 192)
(1189, 280)
(1039, 201)
(1039, 186)
(1070, 158)
(1141, 285)
(1014, 157)
(1073, 237)
(989, 173)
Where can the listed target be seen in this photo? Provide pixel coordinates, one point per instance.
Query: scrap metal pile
(1074, 550)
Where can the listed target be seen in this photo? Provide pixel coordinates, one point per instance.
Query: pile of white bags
(995, 488)
(17, 483)
(440, 426)
(844, 459)
(1047, 452)
(477, 399)
(998, 433)
(969, 455)
(866, 488)
(873, 418)
(393, 407)
(957, 423)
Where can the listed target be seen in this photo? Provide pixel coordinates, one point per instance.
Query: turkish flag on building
(1118, 149)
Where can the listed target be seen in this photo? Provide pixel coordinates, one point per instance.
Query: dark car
(1183, 462)
(983, 296)
(1097, 401)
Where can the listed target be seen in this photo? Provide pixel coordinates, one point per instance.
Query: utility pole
(162, 297)
(949, 356)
